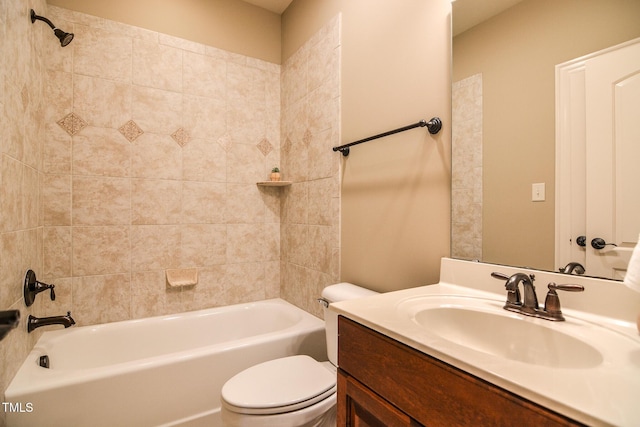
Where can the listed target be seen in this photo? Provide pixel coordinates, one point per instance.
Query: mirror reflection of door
(598, 99)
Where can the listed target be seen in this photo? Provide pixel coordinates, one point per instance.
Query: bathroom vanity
(448, 354)
(384, 381)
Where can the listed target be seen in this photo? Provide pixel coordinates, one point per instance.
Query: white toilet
(295, 391)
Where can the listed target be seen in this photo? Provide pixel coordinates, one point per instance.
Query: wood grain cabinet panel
(382, 382)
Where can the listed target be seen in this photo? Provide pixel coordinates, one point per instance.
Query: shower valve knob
(32, 287)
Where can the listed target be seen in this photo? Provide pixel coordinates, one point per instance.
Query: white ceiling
(466, 13)
(469, 13)
(277, 6)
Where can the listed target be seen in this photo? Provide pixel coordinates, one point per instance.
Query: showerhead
(65, 38)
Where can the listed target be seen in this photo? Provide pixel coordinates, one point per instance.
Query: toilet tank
(335, 293)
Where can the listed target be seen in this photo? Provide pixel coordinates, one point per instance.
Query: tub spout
(35, 322)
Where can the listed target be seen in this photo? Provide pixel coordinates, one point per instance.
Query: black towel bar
(434, 125)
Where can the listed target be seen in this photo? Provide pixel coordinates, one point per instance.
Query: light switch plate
(538, 192)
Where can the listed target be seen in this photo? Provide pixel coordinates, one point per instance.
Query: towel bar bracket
(434, 125)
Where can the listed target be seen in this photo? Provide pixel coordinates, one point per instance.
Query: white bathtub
(159, 371)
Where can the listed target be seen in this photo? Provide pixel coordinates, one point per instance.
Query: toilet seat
(279, 386)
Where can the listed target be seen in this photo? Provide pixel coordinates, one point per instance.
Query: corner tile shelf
(274, 183)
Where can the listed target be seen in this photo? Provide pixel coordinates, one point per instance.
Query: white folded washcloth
(632, 277)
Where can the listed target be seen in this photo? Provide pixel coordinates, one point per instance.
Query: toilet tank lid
(345, 291)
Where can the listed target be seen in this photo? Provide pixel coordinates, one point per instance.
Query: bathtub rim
(34, 379)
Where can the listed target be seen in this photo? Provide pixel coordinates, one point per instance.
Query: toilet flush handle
(324, 302)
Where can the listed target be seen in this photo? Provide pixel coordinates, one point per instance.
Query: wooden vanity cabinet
(384, 383)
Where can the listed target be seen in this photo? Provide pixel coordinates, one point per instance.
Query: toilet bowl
(295, 391)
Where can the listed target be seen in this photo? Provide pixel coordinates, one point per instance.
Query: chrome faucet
(529, 305)
(572, 267)
(35, 322)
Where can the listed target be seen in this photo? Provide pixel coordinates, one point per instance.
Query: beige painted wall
(519, 134)
(231, 25)
(395, 191)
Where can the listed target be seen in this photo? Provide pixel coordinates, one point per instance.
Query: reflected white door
(598, 159)
(612, 82)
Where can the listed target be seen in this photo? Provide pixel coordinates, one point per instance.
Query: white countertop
(607, 394)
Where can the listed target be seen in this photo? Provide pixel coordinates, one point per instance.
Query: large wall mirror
(504, 58)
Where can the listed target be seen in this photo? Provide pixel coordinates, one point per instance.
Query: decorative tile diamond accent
(25, 96)
(306, 138)
(265, 146)
(130, 130)
(72, 124)
(225, 141)
(181, 136)
(286, 147)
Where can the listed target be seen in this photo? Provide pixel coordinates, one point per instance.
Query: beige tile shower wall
(22, 50)
(311, 206)
(466, 171)
(154, 145)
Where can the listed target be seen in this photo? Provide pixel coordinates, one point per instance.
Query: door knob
(582, 241)
(599, 243)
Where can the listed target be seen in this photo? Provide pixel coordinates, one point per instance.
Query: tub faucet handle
(32, 287)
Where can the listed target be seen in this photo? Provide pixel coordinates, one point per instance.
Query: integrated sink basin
(586, 367)
(509, 337)
(484, 326)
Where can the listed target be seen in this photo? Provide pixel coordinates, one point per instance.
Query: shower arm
(41, 18)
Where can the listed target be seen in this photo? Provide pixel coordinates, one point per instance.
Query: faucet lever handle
(552, 302)
(567, 288)
(32, 287)
(497, 275)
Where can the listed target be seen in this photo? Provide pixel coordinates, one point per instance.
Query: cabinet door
(383, 382)
(361, 407)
